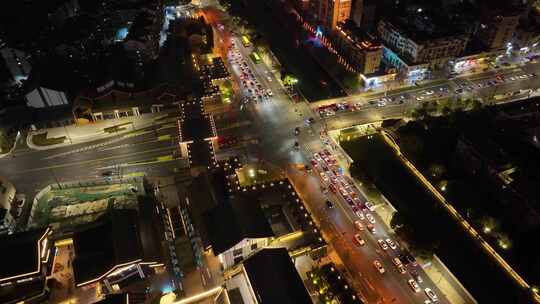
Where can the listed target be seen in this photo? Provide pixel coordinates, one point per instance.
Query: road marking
(164, 137)
(95, 160)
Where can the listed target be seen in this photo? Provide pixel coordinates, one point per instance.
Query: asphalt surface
(274, 121)
(152, 150)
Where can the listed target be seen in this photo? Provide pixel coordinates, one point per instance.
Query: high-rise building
(363, 13)
(332, 12)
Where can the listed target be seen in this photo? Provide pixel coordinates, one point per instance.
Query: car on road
(317, 157)
(269, 92)
(324, 177)
(359, 214)
(370, 218)
(416, 276)
(349, 201)
(314, 163)
(371, 228)
(370, 206)
(402, 269)
(358, 239)
(358, 225)
(383, 244)
(397, 261)
(332, 188)
(419, 98)
(296, 131)
(431, 294)
(429, 92)
(377, 264)
(329, 205)
(391, 244)
(458, 91)
(414, 286)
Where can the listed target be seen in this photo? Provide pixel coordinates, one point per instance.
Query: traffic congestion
(252, 89)
(390, 252)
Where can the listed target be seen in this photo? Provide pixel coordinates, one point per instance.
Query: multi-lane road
(153, 151)
(150, 151)
(274, 121)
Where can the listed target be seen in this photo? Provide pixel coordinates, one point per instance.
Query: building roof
(274, 278)
(22, 291)
(194, 124)
(359, 37)
(106, 243)
(120, 298)
(234, 220)
(22, 257)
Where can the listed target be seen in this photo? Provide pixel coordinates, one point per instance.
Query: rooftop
(359, 37)
(101, 246)
(23, 249)
(420, 26)
(274, 278)
(234, 220)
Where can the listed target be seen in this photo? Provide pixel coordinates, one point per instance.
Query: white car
(414, 286)
(431, 294)
(359, 240)
(370, 218)
(360, 214)
(430, 92)
(402, 269)
(269, 92)
(378, 266)
(317, 157)
(391, 244)
(358, 225)
(370, 206)
(383, 244)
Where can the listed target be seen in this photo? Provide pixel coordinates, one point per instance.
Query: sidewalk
(2, 155)
(77, 134)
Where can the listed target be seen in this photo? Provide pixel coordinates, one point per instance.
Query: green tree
(351, 80)
(397, 220)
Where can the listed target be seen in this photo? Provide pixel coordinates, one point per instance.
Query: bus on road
(256, 58)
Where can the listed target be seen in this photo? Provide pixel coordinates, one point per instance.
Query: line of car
(251, 85)
(332, 180)
(499, 79)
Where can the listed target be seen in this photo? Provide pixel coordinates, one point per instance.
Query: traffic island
(42, 140)
(75, 203)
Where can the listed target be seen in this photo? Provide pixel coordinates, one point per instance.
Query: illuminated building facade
(417, 48)
(332, 12)
(360, 49)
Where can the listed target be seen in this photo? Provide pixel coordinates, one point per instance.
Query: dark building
(268, 277)
(120, 246)
(26, 262)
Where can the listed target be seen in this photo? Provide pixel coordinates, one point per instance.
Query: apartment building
(415, 46)
(360, 49)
